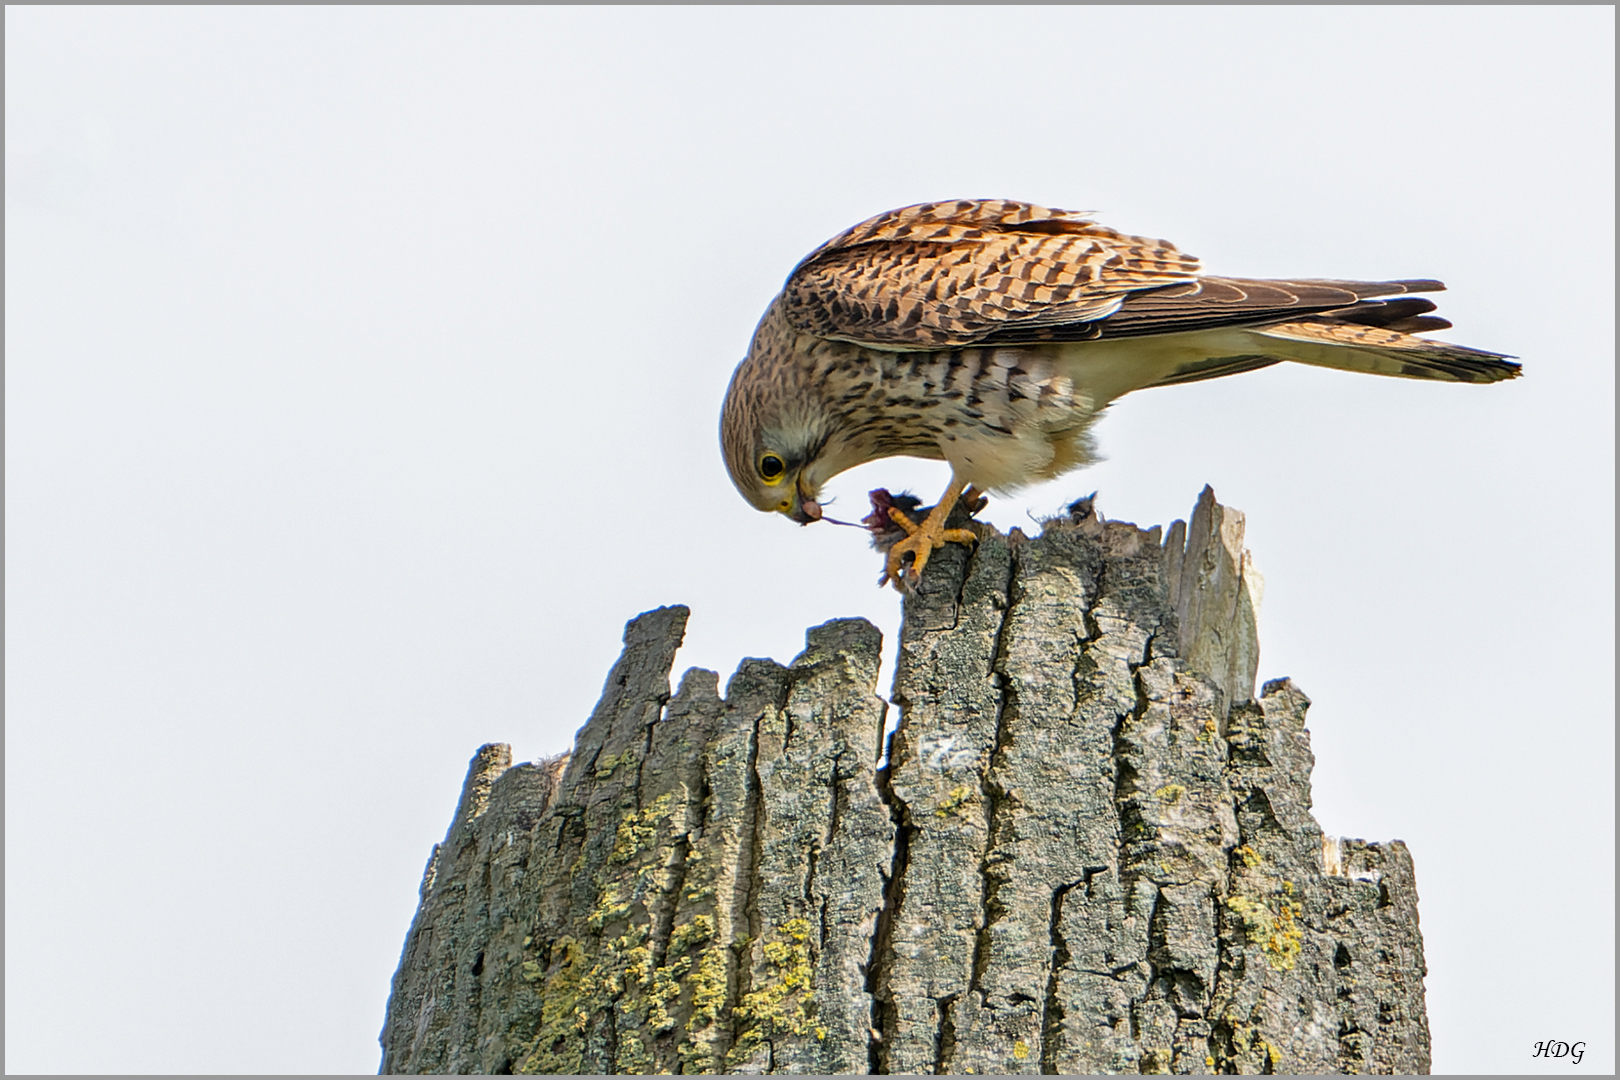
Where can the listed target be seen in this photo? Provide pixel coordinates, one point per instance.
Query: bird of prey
(991, 334)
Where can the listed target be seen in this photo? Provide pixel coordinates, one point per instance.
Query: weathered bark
(1090, 850)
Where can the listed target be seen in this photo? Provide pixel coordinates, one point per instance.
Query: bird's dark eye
(771, 467)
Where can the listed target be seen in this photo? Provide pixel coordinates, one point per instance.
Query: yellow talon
(921, 540)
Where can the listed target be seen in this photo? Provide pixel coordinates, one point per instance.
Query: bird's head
(774, 443)
(775, 467)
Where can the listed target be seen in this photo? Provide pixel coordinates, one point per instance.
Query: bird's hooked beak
(805, 508)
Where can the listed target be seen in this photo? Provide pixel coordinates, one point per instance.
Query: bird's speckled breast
(1001, 416)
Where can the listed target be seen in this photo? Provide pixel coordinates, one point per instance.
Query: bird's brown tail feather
(1383, 348)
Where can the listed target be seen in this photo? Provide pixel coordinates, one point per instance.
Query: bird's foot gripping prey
(899, 527)
(991, 335)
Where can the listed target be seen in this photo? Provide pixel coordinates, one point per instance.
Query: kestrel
(992, 334)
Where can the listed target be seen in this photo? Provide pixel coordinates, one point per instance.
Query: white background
(363, 371)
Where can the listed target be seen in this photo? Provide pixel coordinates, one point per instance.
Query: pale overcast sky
(363, 372)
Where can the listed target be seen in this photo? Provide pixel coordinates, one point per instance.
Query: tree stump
(1090, 849)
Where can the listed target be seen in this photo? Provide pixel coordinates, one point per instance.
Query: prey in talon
(899, 526)
(991, 334)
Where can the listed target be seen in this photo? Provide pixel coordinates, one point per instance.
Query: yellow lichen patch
(1209, 732)
(1251, 911)
(639, 828)
(631, 1057)
(565, 1007)
(665, 988)
(609, 908)
(708, 983)
(625, 982)
(1155, 1060)
(1276, 931)
(1020, 1049)
(1283, 946)
(790, 946)
(605, 769)
(626, 979)
(699, 930)
(1247, 1041)
(1248, 855)
(959, 796)
(1170, 793)
(636, 960)
(780, 1003)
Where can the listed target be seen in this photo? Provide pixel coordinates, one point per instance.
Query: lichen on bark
(1089, 849)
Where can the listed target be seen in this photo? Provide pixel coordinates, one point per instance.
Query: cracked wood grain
(1090, 849)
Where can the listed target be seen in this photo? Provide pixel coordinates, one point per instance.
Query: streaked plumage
(992, 333)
